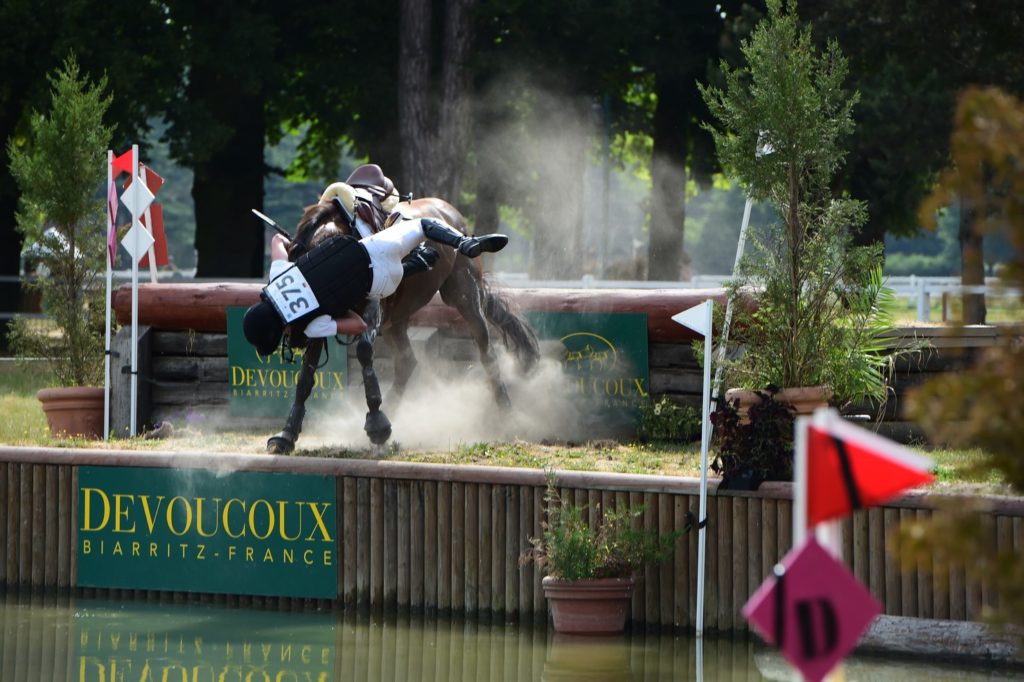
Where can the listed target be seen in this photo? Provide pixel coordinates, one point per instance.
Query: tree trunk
(665, 256)
(433, 115)
(972, 265)
(414, 101)
(453, 129)
(229, 181)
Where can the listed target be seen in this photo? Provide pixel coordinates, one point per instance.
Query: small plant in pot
(756, 448)
(590, 571)
(59, 169)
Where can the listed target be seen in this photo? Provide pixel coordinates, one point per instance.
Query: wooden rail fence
(425, 538)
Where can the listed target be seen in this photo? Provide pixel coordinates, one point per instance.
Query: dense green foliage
(664, 420)
(60, 174)
(982, 407)
(571, 549)
(819, 307)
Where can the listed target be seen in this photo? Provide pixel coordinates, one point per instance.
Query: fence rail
(423, 538)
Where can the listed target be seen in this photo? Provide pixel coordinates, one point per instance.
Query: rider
(315, 294)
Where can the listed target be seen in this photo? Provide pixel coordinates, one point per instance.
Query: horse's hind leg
(377, 426)
(284, 442)
(462, 290)
(405, 358)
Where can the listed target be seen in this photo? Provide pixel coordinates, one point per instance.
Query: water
(46, 638)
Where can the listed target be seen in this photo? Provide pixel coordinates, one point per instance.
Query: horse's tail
(517, 335)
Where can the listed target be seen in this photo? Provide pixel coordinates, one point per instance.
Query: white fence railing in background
(920, 289)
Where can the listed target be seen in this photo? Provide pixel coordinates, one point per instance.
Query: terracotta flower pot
(592, 607)
(73, 410)
(805, 400)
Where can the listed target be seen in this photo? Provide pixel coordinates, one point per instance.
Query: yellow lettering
(280, 528)
(87, 508)
(170, 515)
(118, 513)
(224, 518)
(319, 518)
(268, 556)
(199, 516)
(86, 547)
(151, 517)
(307, 557)
(270, 519)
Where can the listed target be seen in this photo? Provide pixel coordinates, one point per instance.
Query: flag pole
(110, 275)
(149, 226)
(135, 301)
(723, 338)
(705, 442)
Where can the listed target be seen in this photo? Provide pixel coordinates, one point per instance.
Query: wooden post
(376, 543)
(390, 563)
(497, 539)
(754, 551)
(363, 521)
(876, 561)
(522, 540)
(484, 540)
(350, 540)
(402, 546)
(681, 562)
(725, 565)
(52, 527)
(740, 547)
(416, 548)
(908, 577)
(472, 512)
(430, 545)
(458, 560)
(512, 550)
(893, 598)
(652, 597)
(667, 571)
(444, 546)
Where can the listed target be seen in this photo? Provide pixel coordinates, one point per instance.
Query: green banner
(605, 362)
(264, 385)
(194, 530)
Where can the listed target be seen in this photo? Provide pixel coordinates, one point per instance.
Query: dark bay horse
(461, 284)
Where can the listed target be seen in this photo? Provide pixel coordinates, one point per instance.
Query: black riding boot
(421, 259)
(467, 246)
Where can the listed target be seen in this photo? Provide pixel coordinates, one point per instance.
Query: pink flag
(112, 222)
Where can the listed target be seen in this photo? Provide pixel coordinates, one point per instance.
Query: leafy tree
(981, 407)
(35, 37)
(910, 62)
(59, 172)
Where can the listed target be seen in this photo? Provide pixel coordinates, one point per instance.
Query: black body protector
(331, 279)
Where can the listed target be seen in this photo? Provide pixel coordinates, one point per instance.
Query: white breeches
(387, 248)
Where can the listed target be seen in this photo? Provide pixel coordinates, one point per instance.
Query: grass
(23, 423)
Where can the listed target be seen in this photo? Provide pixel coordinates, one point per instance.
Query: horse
(461, 284)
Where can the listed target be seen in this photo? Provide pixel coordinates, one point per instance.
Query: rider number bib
(291, 295)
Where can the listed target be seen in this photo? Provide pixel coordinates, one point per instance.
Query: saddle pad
(291, 295)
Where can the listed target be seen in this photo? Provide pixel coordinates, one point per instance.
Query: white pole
(799, 481)
(705, 442)
(106, 347)
(135, 300)
(723, 338)
(149, 226)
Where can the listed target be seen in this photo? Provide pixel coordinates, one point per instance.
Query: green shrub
(664, 420)
(570, 549)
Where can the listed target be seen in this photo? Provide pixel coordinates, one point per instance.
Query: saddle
(372, 188)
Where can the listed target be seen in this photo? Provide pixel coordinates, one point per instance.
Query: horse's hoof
(281, 444)
(501, 397)
(377, 427)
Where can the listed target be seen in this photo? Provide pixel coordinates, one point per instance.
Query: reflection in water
(50, 638)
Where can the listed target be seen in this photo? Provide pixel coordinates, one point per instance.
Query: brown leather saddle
(371, 188)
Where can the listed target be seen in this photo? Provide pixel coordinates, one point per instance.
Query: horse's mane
(308, 233)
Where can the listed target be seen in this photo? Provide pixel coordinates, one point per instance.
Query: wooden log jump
(202, 306)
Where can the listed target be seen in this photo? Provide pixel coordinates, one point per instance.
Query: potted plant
(756, 448)
(590, 570)
(59, 169)
(820, 315)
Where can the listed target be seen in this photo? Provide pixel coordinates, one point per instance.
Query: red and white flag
(122, 164)
(851, 468)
